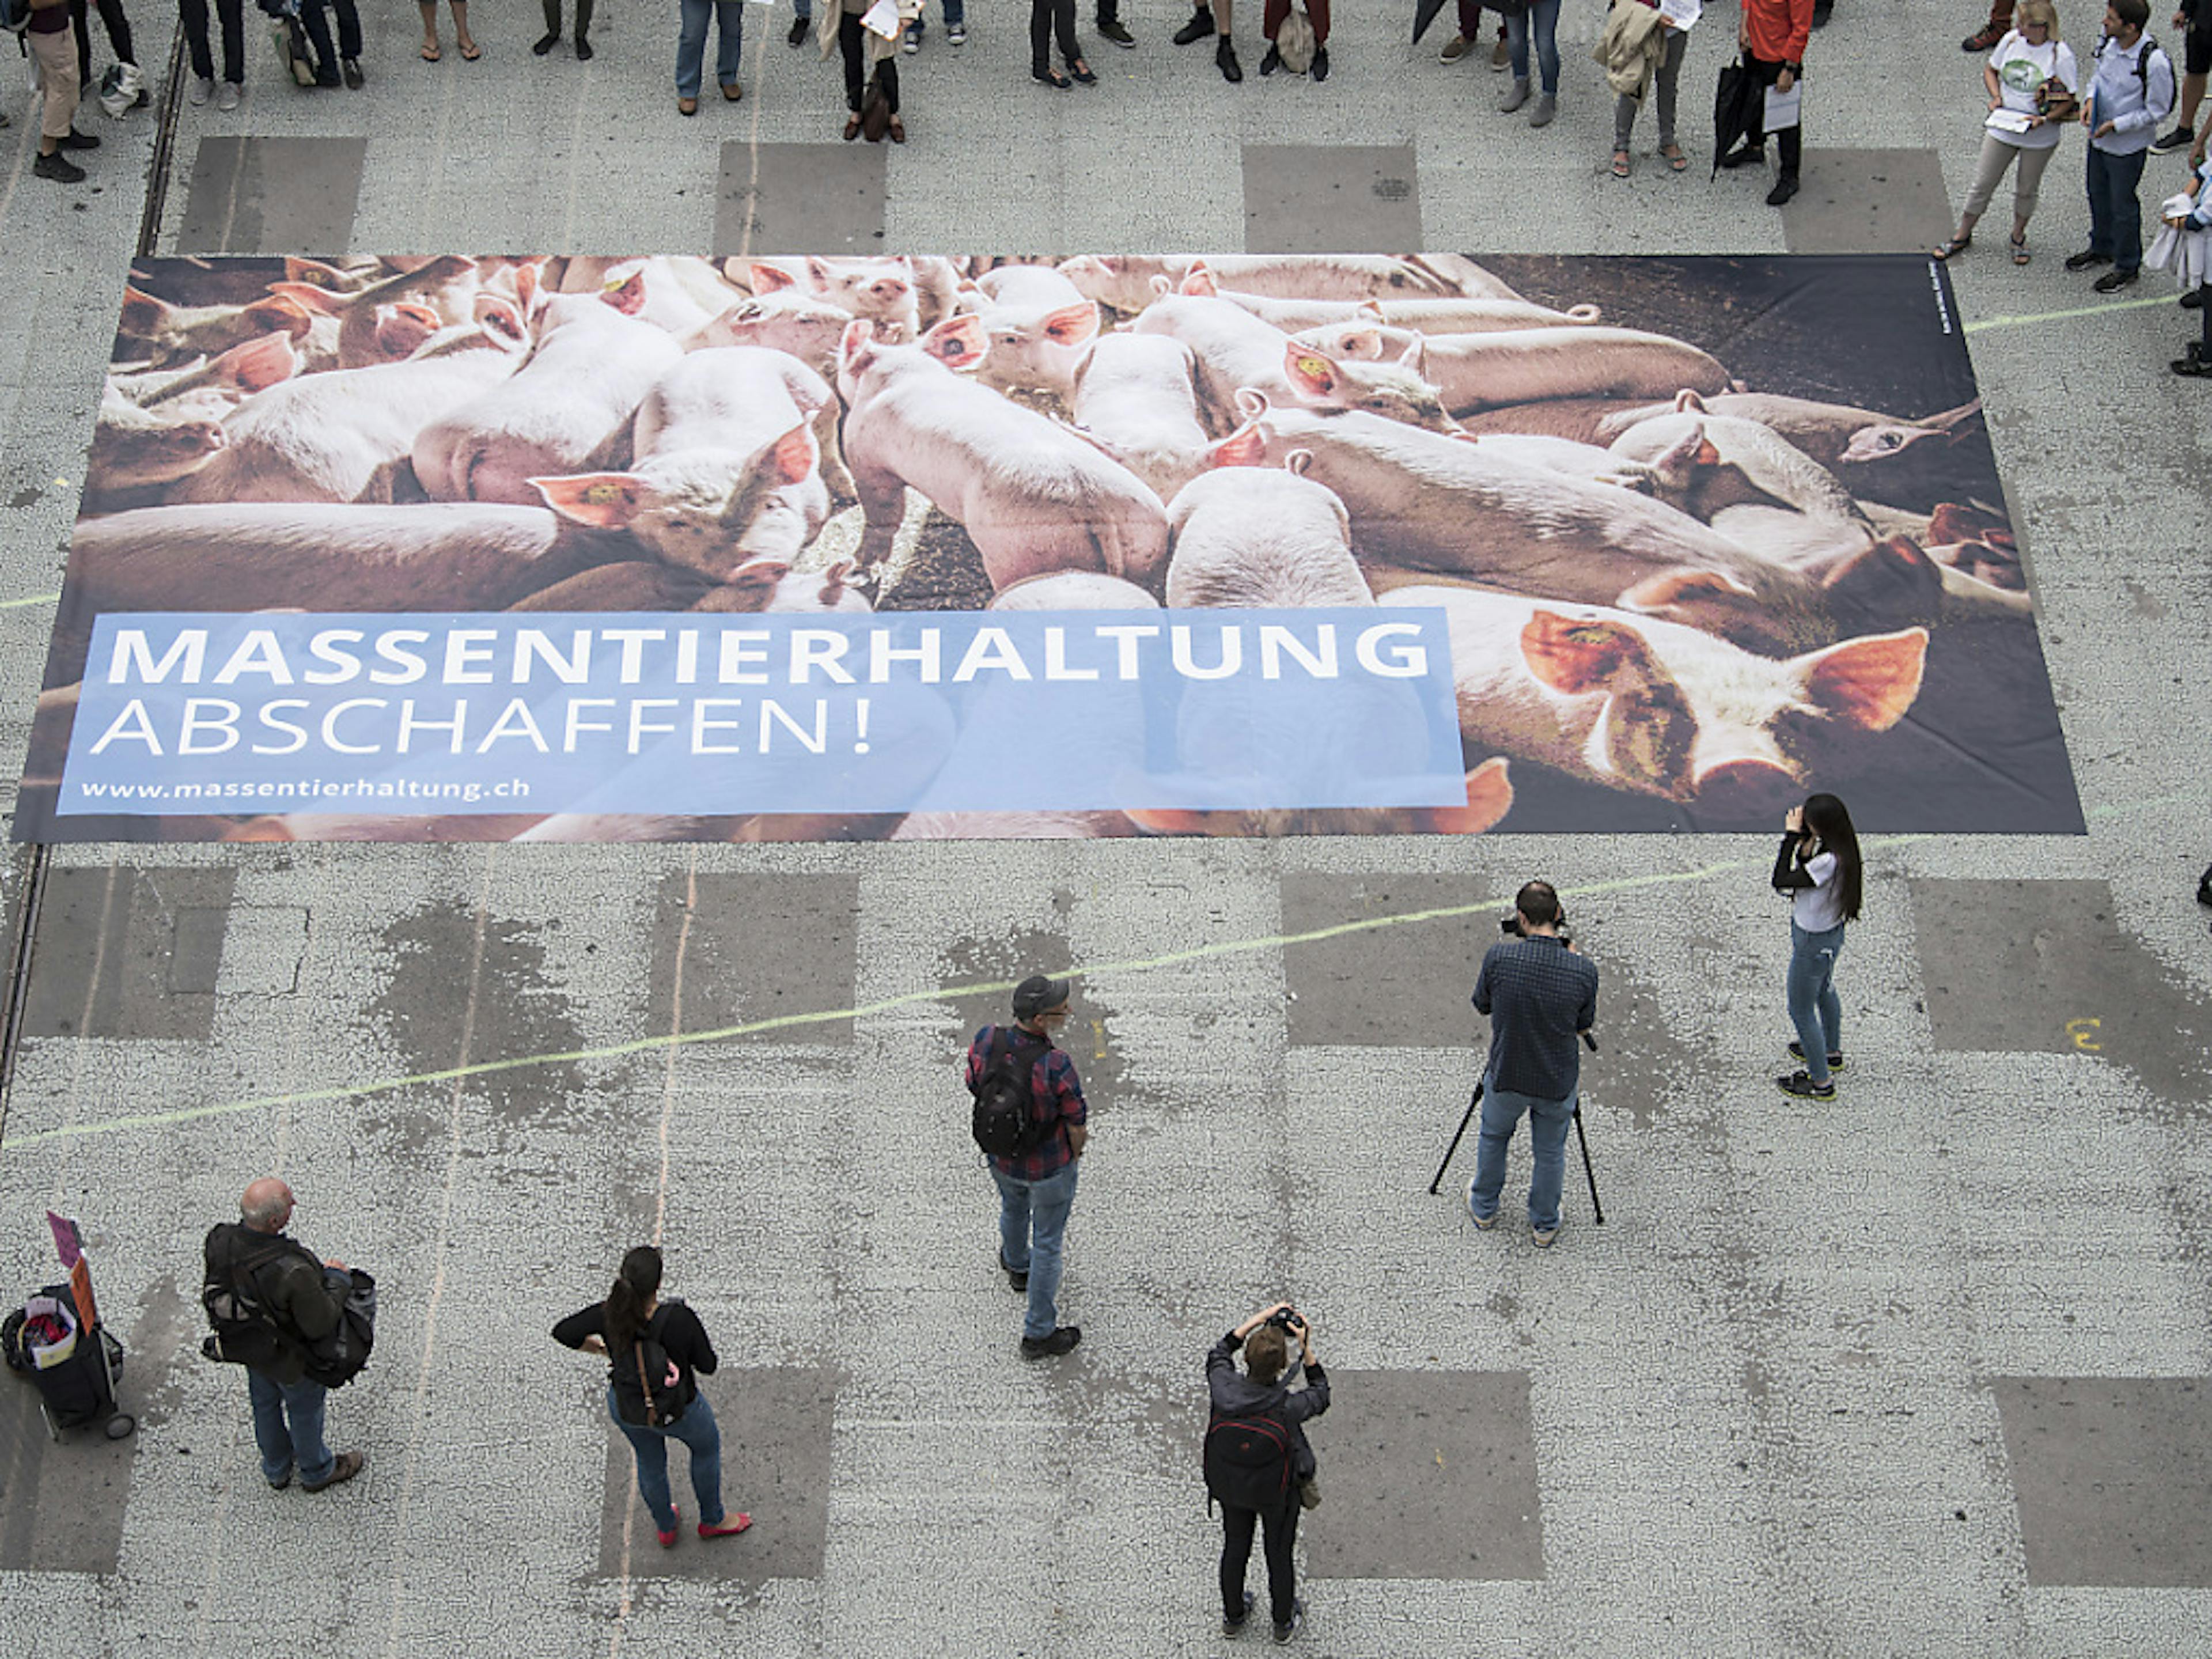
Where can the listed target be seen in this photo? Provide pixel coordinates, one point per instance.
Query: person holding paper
(2029, 73)
(1772, 35)
(1675, 18)
(866, 33)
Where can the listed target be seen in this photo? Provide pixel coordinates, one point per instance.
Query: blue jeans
(1548, 1123)
(2115, 215)
(802, 9)
(287, 1426)
(698, 1430)
(1814, 1008)
(956, 11)
(1032, 1221)
(1545, 14)
(691, 43)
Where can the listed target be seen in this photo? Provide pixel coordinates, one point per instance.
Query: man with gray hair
(253, 1258)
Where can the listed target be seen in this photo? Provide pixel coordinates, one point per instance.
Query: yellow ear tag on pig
(1315, 367)
(600, 494)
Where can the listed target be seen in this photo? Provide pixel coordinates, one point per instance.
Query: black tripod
(1589, 1174)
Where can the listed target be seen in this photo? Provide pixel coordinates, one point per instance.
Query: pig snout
(1745, 784)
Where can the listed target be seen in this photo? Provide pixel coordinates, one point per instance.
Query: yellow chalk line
(936, 994)
(2079, 311)
(29, 600)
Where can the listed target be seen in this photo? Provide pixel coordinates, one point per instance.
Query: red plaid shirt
(1055, 1093)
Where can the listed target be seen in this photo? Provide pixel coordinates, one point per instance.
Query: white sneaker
(955, 33)
(228, 94)
(200, 91)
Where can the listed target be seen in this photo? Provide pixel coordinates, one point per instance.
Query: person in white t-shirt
(1818, 866)
(2027, 71)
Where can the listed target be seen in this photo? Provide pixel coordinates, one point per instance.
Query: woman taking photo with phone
(1818, 866)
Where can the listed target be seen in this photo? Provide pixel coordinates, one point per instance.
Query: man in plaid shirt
(1540, 996)
(1036, 1186)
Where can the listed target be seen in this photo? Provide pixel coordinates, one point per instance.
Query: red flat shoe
(729, 1528)
(668, 1539)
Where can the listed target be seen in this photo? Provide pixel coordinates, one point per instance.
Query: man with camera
(1258, 1466)
(1541, 995)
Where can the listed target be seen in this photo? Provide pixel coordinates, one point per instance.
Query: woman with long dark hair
(1818, 866)
(656, 1350)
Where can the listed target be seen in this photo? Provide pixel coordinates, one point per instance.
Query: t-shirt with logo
(2021, 69)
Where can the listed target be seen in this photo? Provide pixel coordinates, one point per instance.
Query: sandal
(2020, 255)
(1956, 246)
(1620, 164)
(1675, 159)
(470, 54)
(431, 54)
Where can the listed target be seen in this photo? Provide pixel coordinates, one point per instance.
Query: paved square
(1331, 199)
(128, 952)
(747, 948)
(798, 198)
(272, 196)
(2112, 1473)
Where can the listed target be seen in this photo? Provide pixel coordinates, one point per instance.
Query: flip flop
(1620, 164)
(431, 54)
(1675, 159)
(2020, 255)
(472, 56)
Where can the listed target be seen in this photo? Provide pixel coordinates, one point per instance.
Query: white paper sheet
(883, 18)
(1782, 108)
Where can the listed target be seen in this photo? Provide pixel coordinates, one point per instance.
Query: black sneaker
(1051, 1348)
(1224, 59)
(59, 169)
(1784, 188)
(1110, 29)
(1271, 62)
(2194, 369)
(2111, 283)
(1744, 156)
(1284, 1632)
(544, 43)
(2193, 301)
(800, 28)
(75, 140)
(1319, 69)
(1200, 26)
(1797, 1053)
(1236, 1626)
(1019, 1281)
(2175, 140)
(2086, 259)
(584, 53)
(1799, 1085)
(354, 77)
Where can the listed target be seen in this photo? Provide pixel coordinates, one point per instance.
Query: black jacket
(286, 1278)
(1235, 1394)
(674, 1326)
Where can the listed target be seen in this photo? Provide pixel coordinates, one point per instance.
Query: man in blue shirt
(1540, 996)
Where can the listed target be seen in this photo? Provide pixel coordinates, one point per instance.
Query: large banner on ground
(564, 549)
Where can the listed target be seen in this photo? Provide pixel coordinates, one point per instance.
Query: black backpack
(1004, 1121)
(338, 1358)
(1248, 1462)
(649, 1385)
(244, 1330)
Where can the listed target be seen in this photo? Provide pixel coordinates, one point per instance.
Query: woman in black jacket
(656, 1351)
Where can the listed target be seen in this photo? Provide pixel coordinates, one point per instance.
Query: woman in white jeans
(2027, 67)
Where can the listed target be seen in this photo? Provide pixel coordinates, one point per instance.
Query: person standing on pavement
(1202, 24)
(231, 14)
(1540, 995)
(728, 17)
(51, 39)
(1676, 18)
(552, 38)
(1540, 17)
(1772, 35)
(2131, 90)
(2022, 70)
(338, 61)
(1817, 868)
(1037, 1182)
(253, 1256)
(656, 1351)
(2193, 19)
(1470, 36)
(1258, 1468)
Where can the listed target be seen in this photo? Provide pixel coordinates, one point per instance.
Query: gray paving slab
(272, 196)
(1868, 201)
(739, 949)
(1342, 198)
(2111, 1473)
(128, 951)
(798, 198)
(1438, 1478)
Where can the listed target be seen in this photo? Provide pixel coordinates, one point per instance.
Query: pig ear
(768, 279)
(1298, 461)
(498, 316)
(314, 273)
(855, 346)
(627, 296)
(1199, 280)
(1869, 682)
(1411, 356)
(1573, 657)
(817, 267)
(1169, 820)
(751, 585)
(1669, 588)
(525, 282)
(320, 300)
(1687, 402)
(143, 314)
(1161, 287)
(958, 342)
(793, 455)
(1313, 374)
(281, 315)
(404, 326)
(605, 501)
(1245, 447)
(260, 363)
(1892, 577)
(1072, 326)
(1489, 797)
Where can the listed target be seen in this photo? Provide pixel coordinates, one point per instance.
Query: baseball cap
(1036, 994)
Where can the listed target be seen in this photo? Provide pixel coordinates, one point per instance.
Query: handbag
(876, 109)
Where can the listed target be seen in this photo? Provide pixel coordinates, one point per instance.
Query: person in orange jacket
(1772, 35)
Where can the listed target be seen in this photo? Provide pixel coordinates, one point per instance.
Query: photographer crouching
(1540, 995)
(1258, 1466)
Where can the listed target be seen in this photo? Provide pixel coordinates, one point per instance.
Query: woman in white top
(1818, 866)
(2026, 71)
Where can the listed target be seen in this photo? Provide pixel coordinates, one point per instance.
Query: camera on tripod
(1510, 923)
